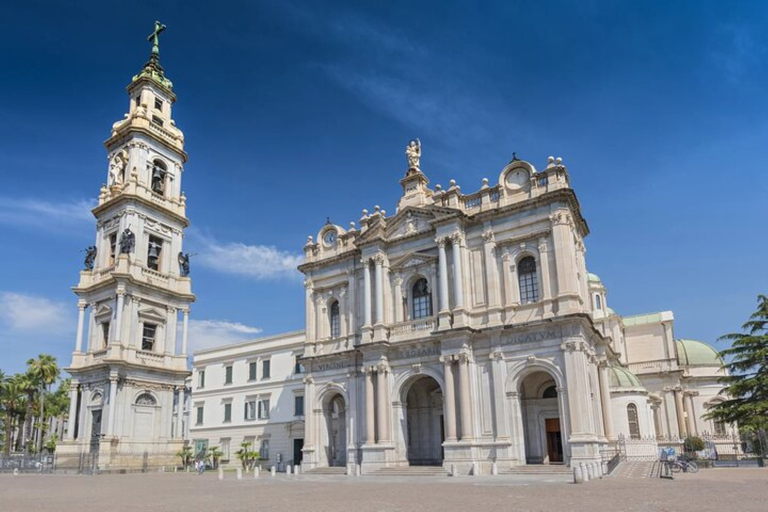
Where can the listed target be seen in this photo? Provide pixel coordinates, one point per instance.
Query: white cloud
(33, 314)
(254, 261)
(212, 333)
(45, 214)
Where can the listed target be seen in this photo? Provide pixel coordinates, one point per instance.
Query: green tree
(746, 385)
(247, 456)
(43, 372)
(13, 393)
(185, 454)
(215, 454)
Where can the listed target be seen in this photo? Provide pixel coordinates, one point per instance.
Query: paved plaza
(714, 489)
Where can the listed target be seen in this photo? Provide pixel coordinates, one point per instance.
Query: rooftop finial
(153, 69)
(514, 156)
(154, 38)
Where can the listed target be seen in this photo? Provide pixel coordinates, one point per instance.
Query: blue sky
(298, 111)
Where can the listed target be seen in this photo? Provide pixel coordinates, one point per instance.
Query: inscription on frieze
(333, 365)
(534, 336)
(416, 352)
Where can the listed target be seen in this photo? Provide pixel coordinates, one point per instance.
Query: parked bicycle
(686, 466)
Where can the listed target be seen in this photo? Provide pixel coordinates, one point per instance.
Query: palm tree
(12, 394)
(44, 371)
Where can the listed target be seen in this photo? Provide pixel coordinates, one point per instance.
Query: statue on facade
(90, 257)
(117, 170)
(184, 264)
(413, 152)
(127, 241)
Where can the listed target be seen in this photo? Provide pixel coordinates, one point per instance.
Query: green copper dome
(623, 378)
(697, 353)
(593, 278)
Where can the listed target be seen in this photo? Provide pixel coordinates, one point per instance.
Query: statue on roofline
(184, 264)
(413, 152)
(127, 241)
(90, 257)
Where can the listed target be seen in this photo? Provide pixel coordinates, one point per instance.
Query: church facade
(129, 364)
(465, 330)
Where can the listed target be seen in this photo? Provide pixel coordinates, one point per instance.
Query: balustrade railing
(421, 325)
(655, 366)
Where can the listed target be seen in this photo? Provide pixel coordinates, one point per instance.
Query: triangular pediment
(409, 221)
(152, 313)
(414, 259)
(103, 310)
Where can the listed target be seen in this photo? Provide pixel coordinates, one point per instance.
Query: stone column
(450, 400)
(398, 299)
(81, 305)
(546, 287)
(370, 425)
(492, 278)
(565, 261)
(309, 310)
(458, 276)
(443, 264)
(690, 417)
(92, 327)
(170, 331)
(180, 413)
(118, 332)
(82, 426)
(381, 401)
(72, 417)
(309, 419)
(184, 329)
(501, 416)
(680, 412)
(465, 407)
(352, 415)
(379, 261)
(367, 292)
(605, 398)
(112, 406)
(352, 303)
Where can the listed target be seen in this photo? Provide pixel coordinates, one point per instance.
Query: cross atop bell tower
(130, 357)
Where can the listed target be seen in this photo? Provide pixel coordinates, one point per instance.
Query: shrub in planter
(693, 444)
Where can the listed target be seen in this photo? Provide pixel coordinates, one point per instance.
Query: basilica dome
(624, 379)
(697, 353)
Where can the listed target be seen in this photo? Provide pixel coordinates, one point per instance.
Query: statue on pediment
(90, 257)
(413, 152)
(117, 170)
(127, 241)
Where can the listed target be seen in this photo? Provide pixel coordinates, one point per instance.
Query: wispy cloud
(739, 53)
(34, 314)
(45, 215)
(262, 262)
(393, 73)
(212, 333)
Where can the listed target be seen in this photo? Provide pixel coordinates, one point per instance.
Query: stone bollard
(256, 471)
(221, 473)
(273, 471)
(453, 470)
(605, 468)
(239, 473)
(475, 469)
(578, 475)
(357, 470)
(494, 469)
(287, 469)
(592, 471)
(599, 469)
(584, 471)
(15, 471)
(296, 469)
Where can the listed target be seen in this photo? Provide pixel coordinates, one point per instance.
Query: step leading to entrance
(411, 471)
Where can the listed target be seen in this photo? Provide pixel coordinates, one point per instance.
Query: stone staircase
(334, 470)
(537, 469)
(411, 471)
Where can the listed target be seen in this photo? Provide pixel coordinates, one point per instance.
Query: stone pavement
(712, 489)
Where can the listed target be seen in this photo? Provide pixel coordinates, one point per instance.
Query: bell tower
(129, 365)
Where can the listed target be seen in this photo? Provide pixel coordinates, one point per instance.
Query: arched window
(146, 399)
(528, 280)
(634, 425)
(550, 392)
(335, 320)
(598, 302)
(422, 299)
(159, 170)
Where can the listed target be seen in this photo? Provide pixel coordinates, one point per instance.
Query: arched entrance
(335, 430)
(424, 433)
(541, 419)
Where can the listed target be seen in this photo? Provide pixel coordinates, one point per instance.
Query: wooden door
(554, 440)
